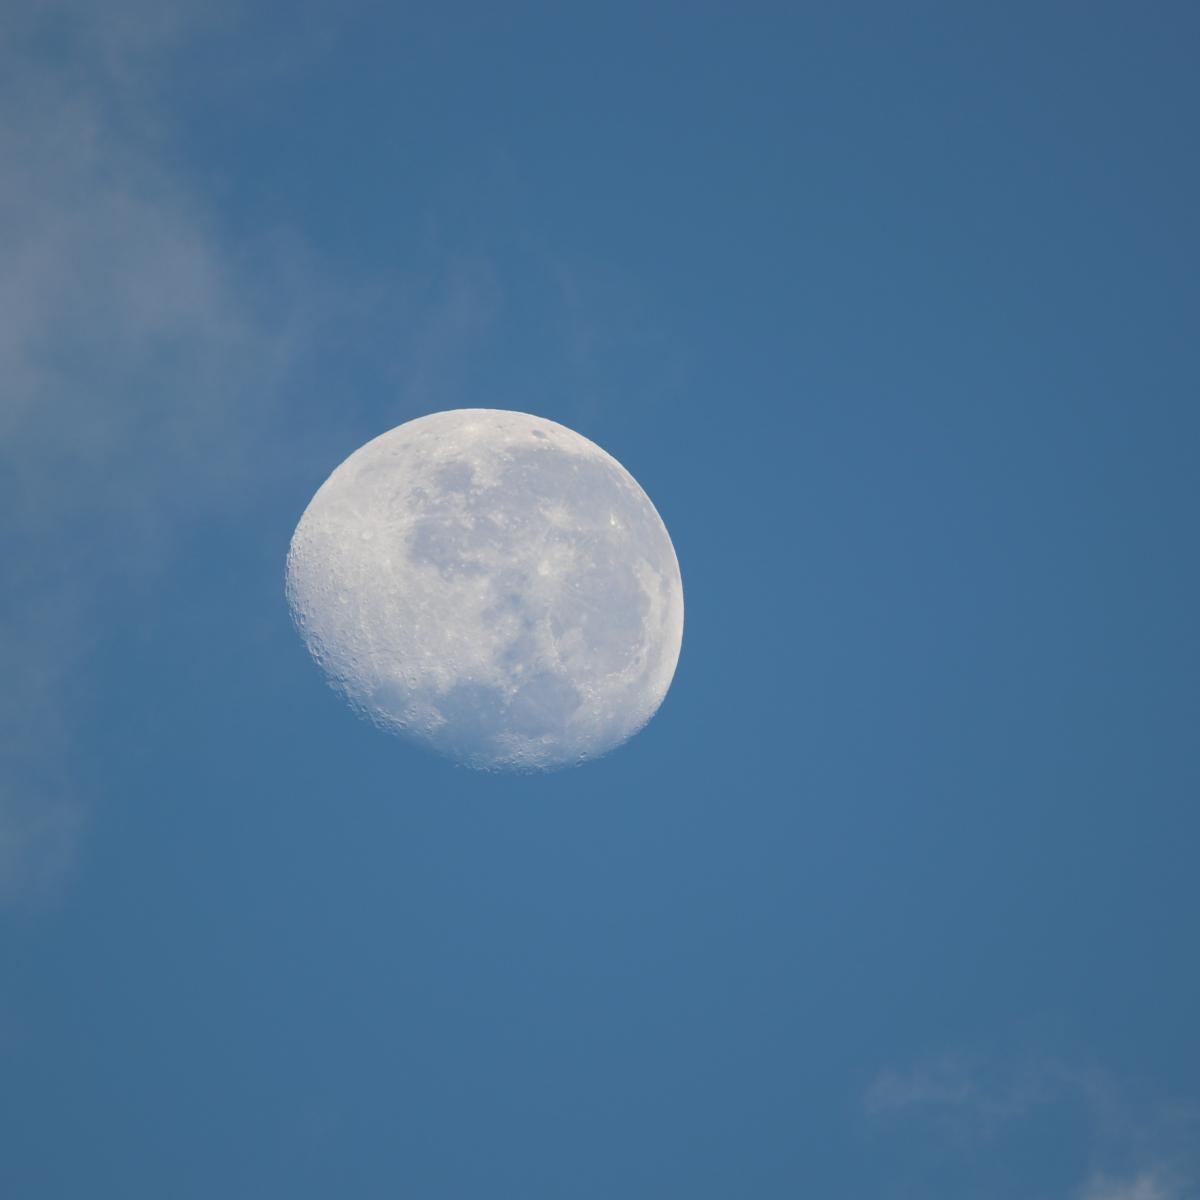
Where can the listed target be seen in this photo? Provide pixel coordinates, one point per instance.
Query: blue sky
(892, 311)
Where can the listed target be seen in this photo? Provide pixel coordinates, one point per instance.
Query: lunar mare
(491, 584)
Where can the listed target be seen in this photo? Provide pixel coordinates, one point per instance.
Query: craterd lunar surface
(491, 584)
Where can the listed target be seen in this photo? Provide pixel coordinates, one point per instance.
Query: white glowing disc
(491, 584)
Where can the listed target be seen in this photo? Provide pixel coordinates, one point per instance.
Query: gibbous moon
(493, 585)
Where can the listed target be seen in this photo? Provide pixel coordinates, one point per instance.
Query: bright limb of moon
(492, 584)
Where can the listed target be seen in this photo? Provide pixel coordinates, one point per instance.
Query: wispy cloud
(1147, 1185)
(961, 1086)
(942, 1082)
(142, 359)
(1130, 1147)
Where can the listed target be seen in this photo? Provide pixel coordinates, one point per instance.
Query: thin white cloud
(947, 1081)
(1147, 1185)
(1140, 1149)
(141, 363)
(970, 1095)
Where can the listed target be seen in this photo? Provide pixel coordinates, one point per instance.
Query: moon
(493, 585)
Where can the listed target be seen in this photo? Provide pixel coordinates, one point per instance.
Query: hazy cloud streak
(140, 365)
(1142, 1149)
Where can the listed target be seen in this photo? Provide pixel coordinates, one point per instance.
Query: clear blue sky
(892, 310)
